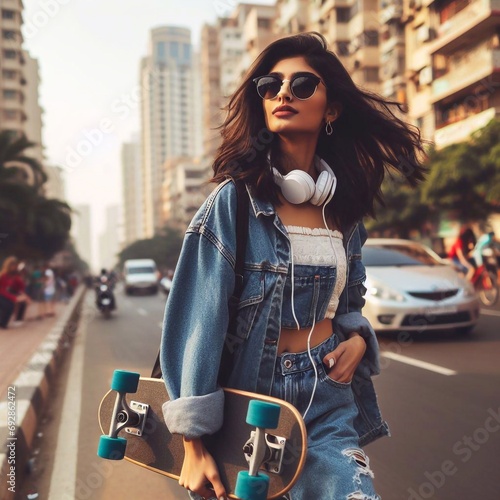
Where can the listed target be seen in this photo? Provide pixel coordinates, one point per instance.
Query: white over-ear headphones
(298, 186)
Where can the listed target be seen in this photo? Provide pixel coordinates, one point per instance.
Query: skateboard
(260, 449)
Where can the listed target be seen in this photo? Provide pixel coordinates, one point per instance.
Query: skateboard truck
(131, 418)
(259, 449)
(273, 453)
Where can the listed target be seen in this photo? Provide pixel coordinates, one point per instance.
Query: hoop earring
(329, 128)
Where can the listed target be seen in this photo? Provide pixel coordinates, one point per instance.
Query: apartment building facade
(33, 111)
(170, 113)
(184, 189)
(12, 78)
(465, 56)
(132, 194)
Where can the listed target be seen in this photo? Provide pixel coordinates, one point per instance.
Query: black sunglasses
(303, 85)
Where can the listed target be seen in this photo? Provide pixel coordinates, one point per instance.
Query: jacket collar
(259, 206)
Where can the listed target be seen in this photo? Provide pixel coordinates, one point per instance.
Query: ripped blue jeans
(336, 468)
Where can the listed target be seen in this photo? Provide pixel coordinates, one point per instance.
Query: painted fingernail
(331, 362)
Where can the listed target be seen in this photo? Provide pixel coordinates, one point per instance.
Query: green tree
(463, 183)
(15, 165)
(464, 180)
(403, 210)
(31, 226)
(164, 248)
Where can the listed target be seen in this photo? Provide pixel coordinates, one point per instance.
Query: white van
(140, 275)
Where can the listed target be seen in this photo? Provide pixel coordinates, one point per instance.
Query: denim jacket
(196, 316)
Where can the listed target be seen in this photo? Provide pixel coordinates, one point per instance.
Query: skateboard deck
(162, 452)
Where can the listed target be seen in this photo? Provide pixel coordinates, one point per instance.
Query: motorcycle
(105, 299)
(485, 278)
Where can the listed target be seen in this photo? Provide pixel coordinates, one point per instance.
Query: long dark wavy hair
(368, 139)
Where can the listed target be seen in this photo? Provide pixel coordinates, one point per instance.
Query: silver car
(410, 288)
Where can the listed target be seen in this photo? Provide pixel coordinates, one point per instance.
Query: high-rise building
(12, 79)
(132, 190)
(392, 51)
(109, 239)
(54, 187)
(352, 29)
(33, 124)
(418, 72)
(210, 89)
(81, 233)
(184, 189)
(171, 106)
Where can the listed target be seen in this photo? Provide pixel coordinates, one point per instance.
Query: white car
(140, 275)
(410, 288)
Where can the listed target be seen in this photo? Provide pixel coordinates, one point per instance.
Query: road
(444, 415)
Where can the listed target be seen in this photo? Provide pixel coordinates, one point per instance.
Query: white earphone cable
(314, 317)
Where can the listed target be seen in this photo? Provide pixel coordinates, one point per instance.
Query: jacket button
(288, 363)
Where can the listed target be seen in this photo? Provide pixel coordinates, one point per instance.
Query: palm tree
(31, 226)
(15, 164)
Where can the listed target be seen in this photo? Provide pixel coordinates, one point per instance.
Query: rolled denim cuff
(356, 322)
(195, 416)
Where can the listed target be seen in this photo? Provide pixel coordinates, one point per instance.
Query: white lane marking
(142, 311)
(419, 364)
(489, 312)
(63, 479)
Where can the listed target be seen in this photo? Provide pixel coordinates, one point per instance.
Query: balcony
(468, 26)
(465, 75)
(418, 59)
(391, 12)
(461, 130)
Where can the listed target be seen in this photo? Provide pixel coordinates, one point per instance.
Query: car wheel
(465, 330)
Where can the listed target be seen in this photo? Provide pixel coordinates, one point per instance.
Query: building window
(8, 14)
(371, 38)
(9, 74)
(371, 74)
(10, 54)
(9, 35)
(343, 48)
(174, 50)
(10, 95)
(343, 14)
(264, 23)
(160, 47)
(10, 114)
(451, 9)
(187, 52)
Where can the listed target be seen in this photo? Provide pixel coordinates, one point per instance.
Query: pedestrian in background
(12, 293)
(37, 285)
(49, 291)
(461, 251)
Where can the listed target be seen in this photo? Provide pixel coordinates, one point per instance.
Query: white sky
(89, 53)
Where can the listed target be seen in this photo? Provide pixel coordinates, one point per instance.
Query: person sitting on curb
(11, 293)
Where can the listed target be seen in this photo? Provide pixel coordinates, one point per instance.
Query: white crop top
(313, 247)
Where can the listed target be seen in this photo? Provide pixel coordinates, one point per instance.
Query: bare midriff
(293, 340)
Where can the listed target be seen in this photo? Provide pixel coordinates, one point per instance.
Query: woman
(296, 114)
(460, 252)
(11, 292)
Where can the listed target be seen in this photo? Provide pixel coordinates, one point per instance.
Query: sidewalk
(17, 345)
(29, 357)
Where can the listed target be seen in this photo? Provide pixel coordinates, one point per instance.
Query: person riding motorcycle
(105, 280)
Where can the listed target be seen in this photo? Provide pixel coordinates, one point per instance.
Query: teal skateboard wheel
(111, 448)
(124, 381)
(263, 414)
(251, 487)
